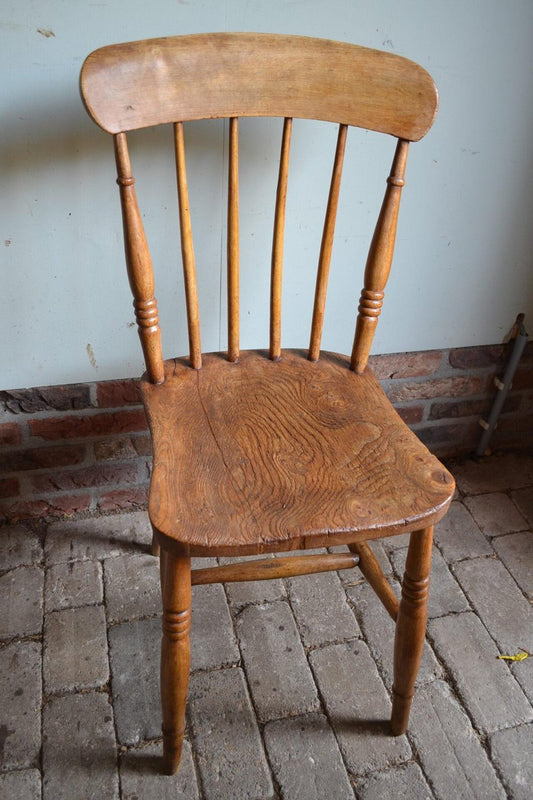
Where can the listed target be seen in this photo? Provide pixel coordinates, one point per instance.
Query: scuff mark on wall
(46, 32)
(92, 359)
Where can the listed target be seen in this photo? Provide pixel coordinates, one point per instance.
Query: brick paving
(290, 685)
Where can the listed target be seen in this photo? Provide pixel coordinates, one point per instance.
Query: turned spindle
(175, 656)
(410, 627)
(139, 265)
(379, 261)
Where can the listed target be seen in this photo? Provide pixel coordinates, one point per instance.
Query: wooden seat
(276, 450)
(283, 455)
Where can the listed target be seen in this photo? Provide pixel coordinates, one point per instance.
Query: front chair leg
(175, 655)
(410, 627)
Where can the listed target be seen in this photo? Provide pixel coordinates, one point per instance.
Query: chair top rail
(207, 76)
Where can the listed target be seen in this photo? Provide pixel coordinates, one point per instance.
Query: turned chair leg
(175, 655)
(410, 627)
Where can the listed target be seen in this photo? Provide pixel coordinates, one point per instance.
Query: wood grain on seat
(266, 455)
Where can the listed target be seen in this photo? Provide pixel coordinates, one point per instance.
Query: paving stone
(397, 542)
(132, 587)
(524, 500)
(512, 751)
(227, 743)
(20, 706)
(200, 563)
(75, 652)
(449, 749)
(523, 672)
(248, 592)
(504, 611)
(275, 663)
(445, 595)
(79, 751)
(306, 760)
(485, 684)
(213, 642)
(134, 651)
(494, 474)
(72, 584)
(141, 776)
(404, 781)
(21, 785)
(516, 552)
(99, 537)
(18, 546)
(495, 514)
(322, 613)
(379, 628)
(458, 536)
(21, 601)
(358, 707)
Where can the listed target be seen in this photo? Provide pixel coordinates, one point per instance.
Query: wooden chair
(281, 450)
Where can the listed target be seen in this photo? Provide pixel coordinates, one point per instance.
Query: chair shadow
(146, 764)
(372, 727)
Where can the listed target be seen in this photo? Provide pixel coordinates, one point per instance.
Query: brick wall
(65, 450)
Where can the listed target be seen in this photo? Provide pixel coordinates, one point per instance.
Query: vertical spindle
(187, 251)
(326, 247)
(233, 241)
(277, 243)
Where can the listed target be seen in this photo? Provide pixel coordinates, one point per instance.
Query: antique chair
(276, 450)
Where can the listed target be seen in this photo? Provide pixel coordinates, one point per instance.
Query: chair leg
(155, 545)
(410, 627)
(175, 655)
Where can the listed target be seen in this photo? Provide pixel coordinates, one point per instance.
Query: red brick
(114, 449)
(459, 408)
(79, 427)
(46, 398)
(95, 475)
(474, 357)
(515, 431)
(459, 386)
(9, 434)
(411, 414)
(115, 394)
(523, 378)
(143, 445)
(9, 487)
(56, 507)
(121, 499)
(44, 457)
(527, 355)
(406, 365)
(458, 436)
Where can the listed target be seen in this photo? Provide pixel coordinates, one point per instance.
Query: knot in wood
(125, 181)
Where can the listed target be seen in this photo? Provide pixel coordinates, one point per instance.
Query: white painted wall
(463, 262)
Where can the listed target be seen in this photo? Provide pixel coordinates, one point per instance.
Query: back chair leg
(175, 655)
(155, 545)
(410, 627)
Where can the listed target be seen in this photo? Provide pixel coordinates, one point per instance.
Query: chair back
(232, 75)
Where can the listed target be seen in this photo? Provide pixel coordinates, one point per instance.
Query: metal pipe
(520, 339)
